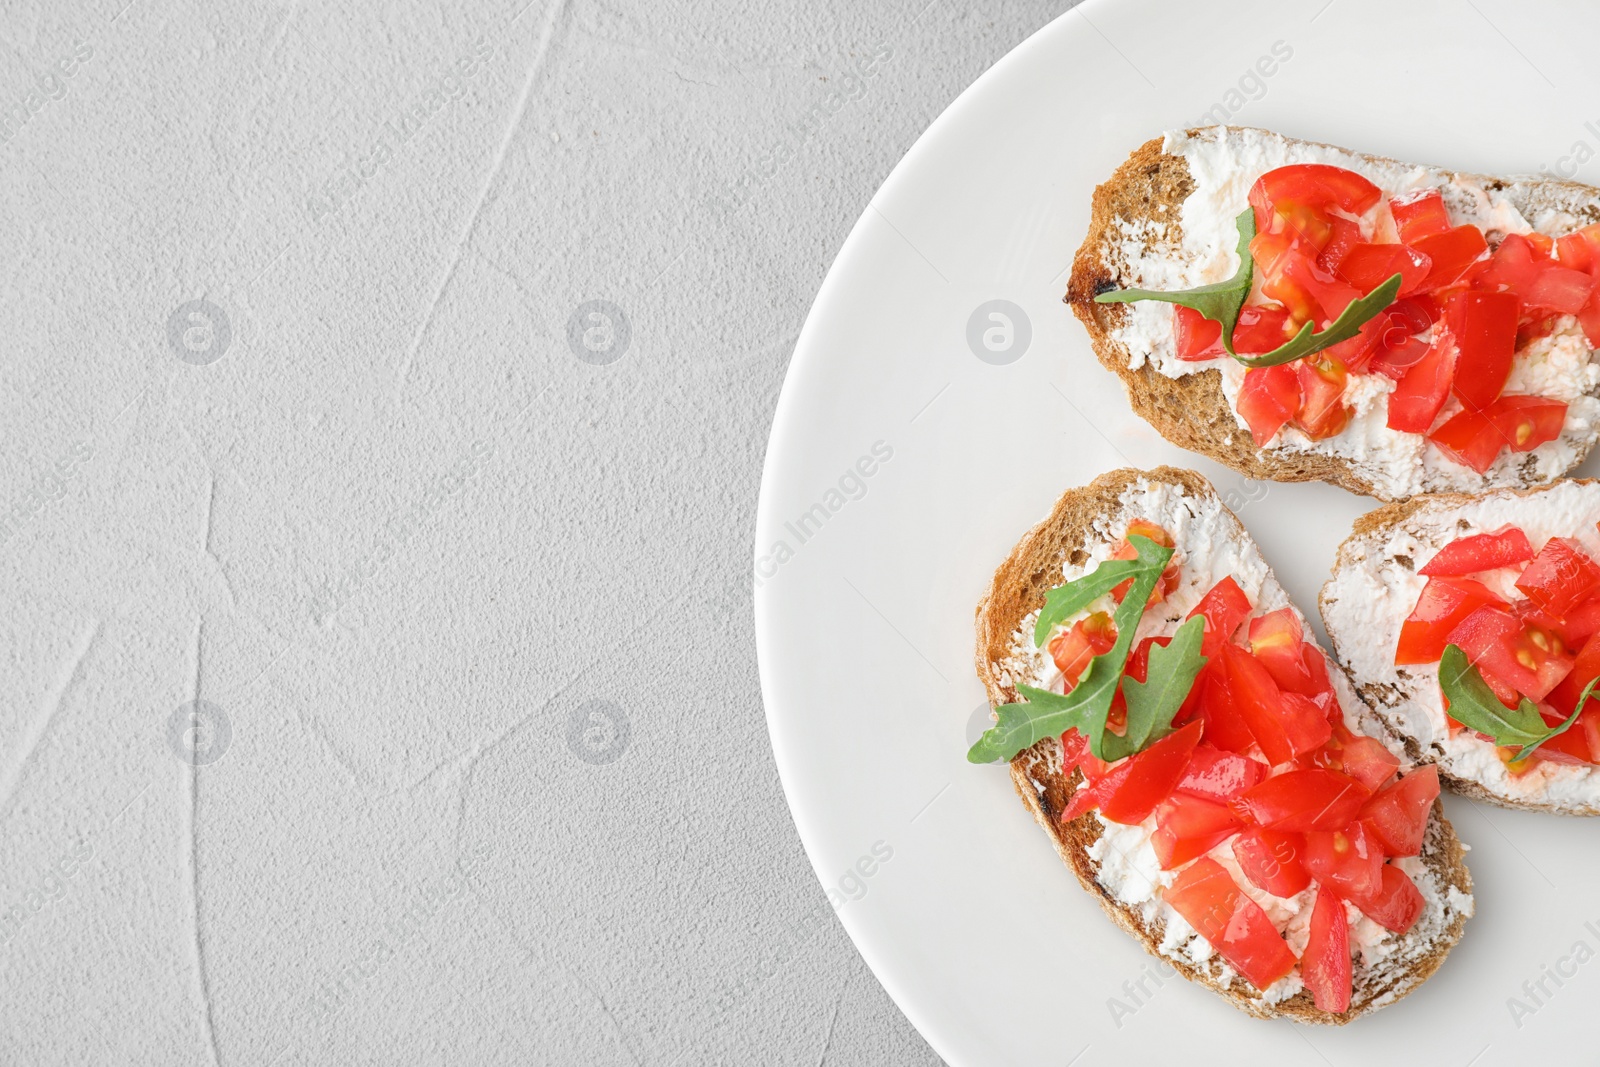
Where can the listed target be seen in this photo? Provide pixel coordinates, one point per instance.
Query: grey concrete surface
(384, 398)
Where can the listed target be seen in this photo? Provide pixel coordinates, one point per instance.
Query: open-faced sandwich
(1298, 311)
(1203, 769)
(1471, 624)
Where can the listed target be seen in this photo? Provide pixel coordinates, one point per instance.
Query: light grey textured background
(481, 773)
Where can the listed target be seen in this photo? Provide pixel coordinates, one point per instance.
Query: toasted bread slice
(1165, 221)
(1082, 527)
(1375, 586)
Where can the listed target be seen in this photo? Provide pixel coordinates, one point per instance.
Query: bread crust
(1017, 589)
(1375, 525)
(1192, 411)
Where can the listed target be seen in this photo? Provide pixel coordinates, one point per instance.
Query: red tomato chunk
(1233, 924)
(1325, 968)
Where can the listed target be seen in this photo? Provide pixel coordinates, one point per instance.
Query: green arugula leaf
(1047, 714)
(1346, 326)
(1067, 600)
(1153, 702)
(1474, 705)
(1220, 301)
(1044, 714)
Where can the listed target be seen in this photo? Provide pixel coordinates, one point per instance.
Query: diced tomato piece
(1485, 328)
(1331, 294)
(1133, 787)
(1276, 640)
(1573, 251)
(1560, 576)
(1233, 924)
(1358, 351)
(1346, 861)
(1345, 235)
(1322, 412)
(1486, 637)
(1224, 607)
(1470, 438)
(1452, 254)
(1572, 744)
(1124, 550)
(1522, 265)
(1580, 250)
(1531, 329)
(1271, 860)
(1225, 727)
(1087, 798)
(1571, 629)
(1187, 826)
(1317, 668)
(1075, 755)
(1585, 669)
(1410, 315)
(1396, 345)
(1195, 336)
(1589, 319)
(1214, 774)
(1443, 604)
(1272, 252)
(1480, 552)
(1397, 903)
(1259, 702)
(1302, 800)
(1524, 423)
(1311, 226)
(1146, 529)
(1087, 638)
(1562, 291)
(1368, 266)
(1581, 621)
(1261, 329)
(1268, 399)
(1305, 723)
(1138, 667)
(1367, 761)
(1325, 967)
(1419, 214)
(1397, 817)
(1361, 757)
(1289, 276)
(1513, 267)
(1316, 185)
(1524, 658)
(1421, 390)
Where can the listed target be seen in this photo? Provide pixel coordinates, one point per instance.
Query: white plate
(864, 610)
